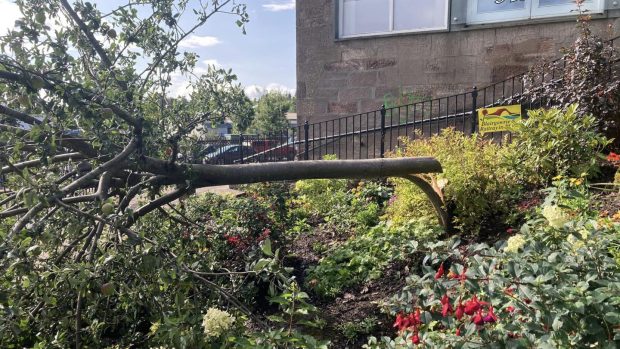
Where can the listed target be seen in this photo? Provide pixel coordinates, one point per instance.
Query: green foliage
(344, 210)
(271, 110)
(358, 328)
(363, 257)
(475, 183)
(295, 312)
(552, 285)
(320, 196)
(556, 142)
(218, 92)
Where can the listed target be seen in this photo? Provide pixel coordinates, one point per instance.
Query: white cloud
(10, 13)
(280, 6)
(195, 41)
(181, 86)
(256, 91)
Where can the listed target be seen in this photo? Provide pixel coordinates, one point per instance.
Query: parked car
(228, 154)
(274, 150)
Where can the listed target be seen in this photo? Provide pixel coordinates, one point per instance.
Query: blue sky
(263, 59)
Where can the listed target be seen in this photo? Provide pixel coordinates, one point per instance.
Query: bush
(589, 76)
(319, 196)
(475, 182)
(552, 285)
(555, 142)
(363, 257)
(344, 210)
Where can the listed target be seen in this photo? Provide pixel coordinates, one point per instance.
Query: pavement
(224, 190)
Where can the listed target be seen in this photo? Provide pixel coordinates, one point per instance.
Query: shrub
(589, 77)
(556, 142)
(552, 285)
(475, 182)
(363, 257)
(319, 196)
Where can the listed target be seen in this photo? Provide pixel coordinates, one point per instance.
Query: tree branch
(212, 175)
(33, 163)
(17, 115)
(107, 166)
(153, 205)
(154, 66)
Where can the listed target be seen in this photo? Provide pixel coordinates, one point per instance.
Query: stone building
(355, 55)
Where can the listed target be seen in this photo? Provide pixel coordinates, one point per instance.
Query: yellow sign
(498, 119)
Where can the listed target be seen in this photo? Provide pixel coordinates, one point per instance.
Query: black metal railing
(374, 133)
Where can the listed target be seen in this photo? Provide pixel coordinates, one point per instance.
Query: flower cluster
(555, 215)
(480, 312)
(613, 157)
(409, 322)
(216, 322)
(514, 243)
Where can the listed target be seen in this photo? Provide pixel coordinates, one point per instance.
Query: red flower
(233, 240)
(490, 317)
(472, 306)
(415, 339)
(460, 310)
(508, 291)
(446, 306)
(404, 322)
(458, 332)
(510, 231)
(264, 235)
(400, 322)
(510, 309)
(415, 318)
(613, 157)
(440, 272)
(478, 319)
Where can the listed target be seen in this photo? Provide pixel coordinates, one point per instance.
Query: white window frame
(592, 6)
(391, 30)
(532, 10)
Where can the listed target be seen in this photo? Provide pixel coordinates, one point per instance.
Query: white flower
(556, 216)
(514, 243)
(578, 243)
(216, 322)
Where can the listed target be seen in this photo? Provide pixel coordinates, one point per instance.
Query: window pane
(490, 6)
(365, 16)
(419, 14)
(550, 8)
(557, 2)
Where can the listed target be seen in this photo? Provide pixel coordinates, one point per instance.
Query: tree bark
(212, 175)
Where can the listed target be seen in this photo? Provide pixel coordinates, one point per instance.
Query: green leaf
(613, 318)
(261, 264)
(266, 247)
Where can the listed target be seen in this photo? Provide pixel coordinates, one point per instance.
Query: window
(493, 11)
(368, 17)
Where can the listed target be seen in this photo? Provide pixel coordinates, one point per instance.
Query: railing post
(241, 147)
(382, 131)
(306, 144)
(474, 107)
